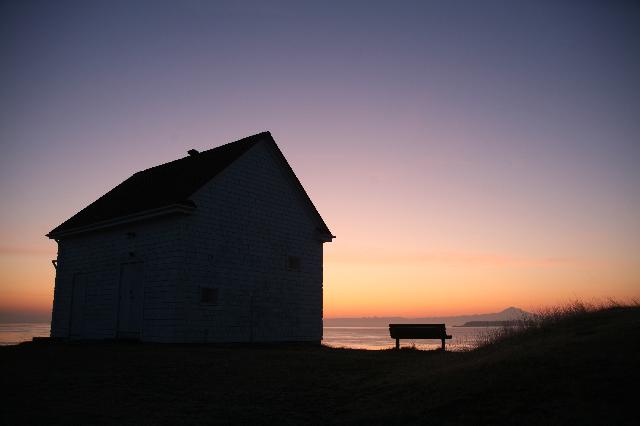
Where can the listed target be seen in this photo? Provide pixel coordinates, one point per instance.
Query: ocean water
(377, 338)
(14, 333)
(373, 338)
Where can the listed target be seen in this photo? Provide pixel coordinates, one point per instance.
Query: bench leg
(443, 345)
(397, 343)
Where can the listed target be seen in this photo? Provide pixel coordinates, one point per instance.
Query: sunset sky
(468, 155)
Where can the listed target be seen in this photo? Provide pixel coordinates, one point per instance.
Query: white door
(130, 301)
(76, 321)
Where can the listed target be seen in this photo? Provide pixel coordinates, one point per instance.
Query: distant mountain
(509, 314)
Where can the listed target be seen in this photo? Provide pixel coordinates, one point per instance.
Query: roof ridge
(252, 138)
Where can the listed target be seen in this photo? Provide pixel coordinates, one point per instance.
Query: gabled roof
(166, 189)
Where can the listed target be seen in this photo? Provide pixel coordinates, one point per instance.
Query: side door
(130, 301)
(78, 303)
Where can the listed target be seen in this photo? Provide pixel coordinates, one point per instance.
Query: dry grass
(544, 319)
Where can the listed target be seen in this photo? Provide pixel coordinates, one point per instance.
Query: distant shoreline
(509, 314)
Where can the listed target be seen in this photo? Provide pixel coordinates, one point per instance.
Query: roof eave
(326, 238)
(178, 208)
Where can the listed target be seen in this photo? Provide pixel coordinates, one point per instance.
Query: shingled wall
(248, 221)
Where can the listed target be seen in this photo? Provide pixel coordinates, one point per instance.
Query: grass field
(576, 368)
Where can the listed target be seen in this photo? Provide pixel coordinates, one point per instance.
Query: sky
(468, 155)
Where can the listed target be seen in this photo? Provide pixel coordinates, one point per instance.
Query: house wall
(247, 222)
(98, 257)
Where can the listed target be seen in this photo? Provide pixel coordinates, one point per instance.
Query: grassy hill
(580, 368)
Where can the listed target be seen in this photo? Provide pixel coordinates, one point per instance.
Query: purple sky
(422, 130)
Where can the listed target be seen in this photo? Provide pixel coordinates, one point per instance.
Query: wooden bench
(418, 331)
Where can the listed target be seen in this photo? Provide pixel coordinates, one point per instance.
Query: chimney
(193, 152)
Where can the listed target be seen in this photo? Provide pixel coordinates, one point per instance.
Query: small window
(209, 295)
(293, 263)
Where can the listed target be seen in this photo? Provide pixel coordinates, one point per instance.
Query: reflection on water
(378, 338)
(340, 337)
(12, 334)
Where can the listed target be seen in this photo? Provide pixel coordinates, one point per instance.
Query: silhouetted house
(219, 246)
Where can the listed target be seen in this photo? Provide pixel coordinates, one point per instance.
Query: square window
(293, 263)
(209, 295)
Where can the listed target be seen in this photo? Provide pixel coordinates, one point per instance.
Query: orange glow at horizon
(407, 277)
(26, 282)
(449, 284)
(358, 284)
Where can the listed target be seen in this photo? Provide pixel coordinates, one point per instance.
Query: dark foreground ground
(582, 370)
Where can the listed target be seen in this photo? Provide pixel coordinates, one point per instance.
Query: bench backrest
(417, 331)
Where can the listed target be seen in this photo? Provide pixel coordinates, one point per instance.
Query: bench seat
(418, 331)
